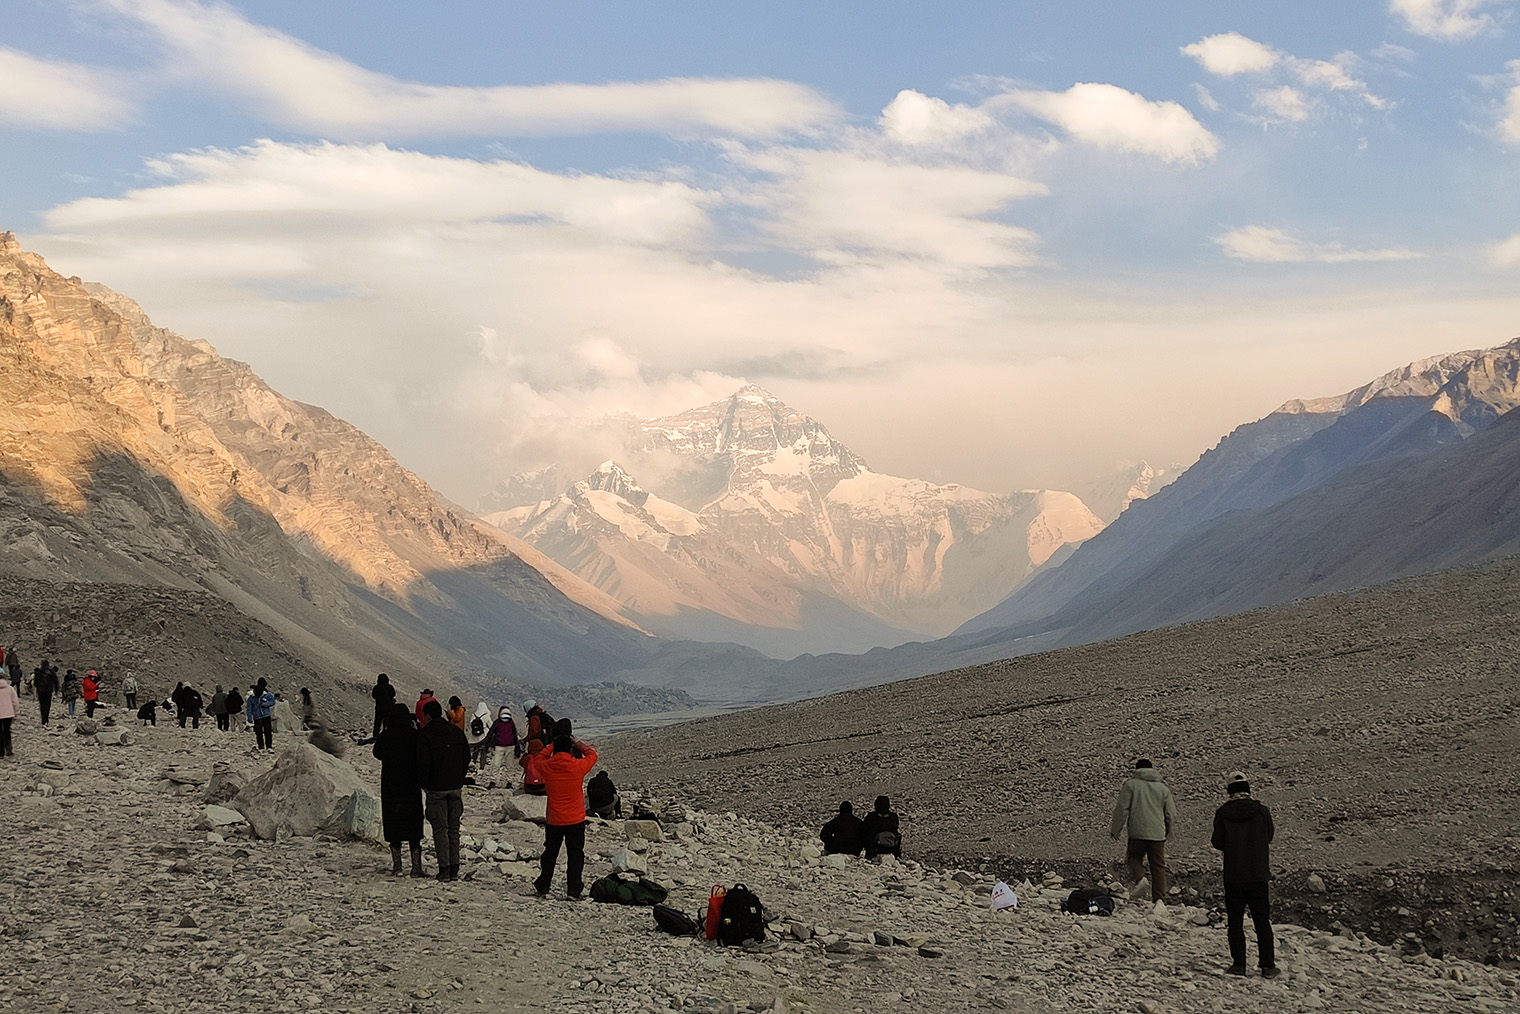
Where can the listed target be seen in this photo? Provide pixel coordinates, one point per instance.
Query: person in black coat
(878, 831)
(400, 789)
(443, 762)
(384, 696)
(842, 835)
(1243, 832)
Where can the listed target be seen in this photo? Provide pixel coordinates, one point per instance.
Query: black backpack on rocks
(676, 922)
(1088, 902)
(741, 918)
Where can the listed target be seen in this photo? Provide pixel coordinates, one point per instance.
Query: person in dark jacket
(602, 798)
(842, 835)
(1243, 832)
(879, 832)
(400, 791)
(71, 689)
(443, 760)
(45, 682)
(384, 696)
(234, 707)
(219, 709)
(190, 706)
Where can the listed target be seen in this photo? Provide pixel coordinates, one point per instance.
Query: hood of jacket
(1146, 774)
(1241, 808)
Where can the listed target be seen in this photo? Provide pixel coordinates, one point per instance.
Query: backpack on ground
(621, 891)
(676, 922)
(741, 918)
(1088, 902)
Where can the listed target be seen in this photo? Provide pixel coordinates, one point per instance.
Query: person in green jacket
(1146, 808)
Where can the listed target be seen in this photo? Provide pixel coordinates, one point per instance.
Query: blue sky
(1010, 245)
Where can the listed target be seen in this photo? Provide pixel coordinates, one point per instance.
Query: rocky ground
(1381, 726)
(118, 897)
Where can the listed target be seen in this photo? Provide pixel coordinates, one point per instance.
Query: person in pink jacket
(8, 705)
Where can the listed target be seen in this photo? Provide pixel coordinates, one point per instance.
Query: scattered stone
(1315, 883)
(649, 830)
(86, 726)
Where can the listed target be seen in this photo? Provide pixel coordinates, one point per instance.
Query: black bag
(887, 841)
(741, 918)
(614, 888)
(1088, 902)
(676, 922)
(477, 726)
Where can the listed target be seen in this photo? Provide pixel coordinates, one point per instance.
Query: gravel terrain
(120, 900)
(1381, 726)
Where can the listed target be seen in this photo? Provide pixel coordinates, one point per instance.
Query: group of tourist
(879, 833)
(426, 753)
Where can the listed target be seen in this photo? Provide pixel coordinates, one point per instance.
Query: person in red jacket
(564, 768)
(422, 719)
(91, 688)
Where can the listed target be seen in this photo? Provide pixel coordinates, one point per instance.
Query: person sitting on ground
(533, 784)
(1243, 832)
(842, 835)
(400, 791)
(148, 713)
(457, 713)
(879, 830)
(602, 798)
(563, 769)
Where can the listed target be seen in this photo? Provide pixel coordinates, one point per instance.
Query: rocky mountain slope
(130, 454)
(759, 526)
(1411, 411)
(1379, 725)
(140, 904)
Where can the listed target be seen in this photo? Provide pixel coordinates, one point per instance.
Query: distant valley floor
(1382, 726)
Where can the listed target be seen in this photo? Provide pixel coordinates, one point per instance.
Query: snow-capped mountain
(765, 529)
(1111, 495)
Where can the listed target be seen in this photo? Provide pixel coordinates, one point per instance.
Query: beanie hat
(1143, 763)
(1236, 784)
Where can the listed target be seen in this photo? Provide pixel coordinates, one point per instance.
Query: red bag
(714, 911)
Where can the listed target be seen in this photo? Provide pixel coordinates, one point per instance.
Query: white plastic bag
(1003, 897)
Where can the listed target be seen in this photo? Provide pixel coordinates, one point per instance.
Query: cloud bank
(57, 95)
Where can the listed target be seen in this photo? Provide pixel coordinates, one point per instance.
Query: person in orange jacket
(533, 785)
(456, 713)
(563, 768)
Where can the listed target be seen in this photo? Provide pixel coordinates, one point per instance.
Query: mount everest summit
(762, 528)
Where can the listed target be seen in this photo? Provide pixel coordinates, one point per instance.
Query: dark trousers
(224, 722)
(263, 733)
(445, 809)
(6, 750)
(45, 704)
(379, 722)
(195, 719)
(574, 837)
(1237, 898)
(132, 701)
(89, 709)
(1141, 849)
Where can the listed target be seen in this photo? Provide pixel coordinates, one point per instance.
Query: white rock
(308, 791)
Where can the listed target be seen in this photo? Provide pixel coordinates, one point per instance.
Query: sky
(1007, 245)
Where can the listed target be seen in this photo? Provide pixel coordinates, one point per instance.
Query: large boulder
(533, 809)
(309, 792)
(283, 717)
(228, 779)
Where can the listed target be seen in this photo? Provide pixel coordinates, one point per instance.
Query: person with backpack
(563, 769)
(443, 762)
(533, 783)
(1147, 809)
(879, 831)
(71, 689)
(602, 798)
(844, 834)
(478, 731)
(1243, 833)
(260, 712)
(384, 695)
(400, 789)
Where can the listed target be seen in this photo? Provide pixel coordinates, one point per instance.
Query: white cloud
(1284, 102)
(845, 207)
(1509, 115)
(1264, 245)
(1206, 98)
(1231, 53)
(57, 95)
(1446, 20)
(1107, 116)
(1506, 253)
(913, 118)
(300, 87)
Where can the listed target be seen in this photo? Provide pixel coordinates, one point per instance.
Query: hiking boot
(1270, 972)
(453, 873)
(417, 870)
(396, 860)
(1236, 970)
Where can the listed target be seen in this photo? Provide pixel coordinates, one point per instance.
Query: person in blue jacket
(260, 708)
